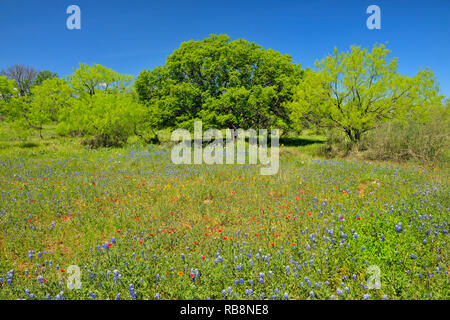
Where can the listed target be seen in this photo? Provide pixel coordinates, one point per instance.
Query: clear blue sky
(131, 35)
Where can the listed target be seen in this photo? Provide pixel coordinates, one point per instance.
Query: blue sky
(131, 35)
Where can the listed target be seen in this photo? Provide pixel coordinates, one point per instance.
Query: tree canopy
(87, 80)
(6, 88)
(44, 75)
(221, 82)
(355, 91)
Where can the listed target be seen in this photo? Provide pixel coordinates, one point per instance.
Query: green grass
(229, 223)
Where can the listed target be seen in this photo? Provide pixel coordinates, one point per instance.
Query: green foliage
(87, 80)
(6, 88)
(356, 91)
(6, 93)
(42, 106)
(224, 83)
(105, 107)
(44, 75)
(110, 118)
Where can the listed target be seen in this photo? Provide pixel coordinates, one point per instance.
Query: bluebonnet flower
(60, 296)
(385, 297)
(92, 295)
(224, 293)
(118, 297)
(311, 294)
(157, 296)
(398, 228)
(132, 292)
(332, 297)
(116, 275)
(261, 277)
(366, 297)
(413, 256)
(285, 296)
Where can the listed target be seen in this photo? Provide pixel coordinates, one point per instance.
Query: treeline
(228, 84)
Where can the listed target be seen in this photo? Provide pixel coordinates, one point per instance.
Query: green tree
(7, 92)
(357, 90)
(109, 117)
(43, 106)
(87, 80)
(6, 88)
(224, 83)
(44, 75)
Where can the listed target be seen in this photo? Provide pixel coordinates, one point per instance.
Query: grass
(129, 216)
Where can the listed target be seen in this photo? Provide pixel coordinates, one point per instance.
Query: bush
(424, 141)
(337, 145)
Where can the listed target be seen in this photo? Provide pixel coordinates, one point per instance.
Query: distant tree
(44, 75)
(109, 118)
(23, 75)
(7, 92)
(106, 106)
(87, 80)
(357, 90)
(227, 84)
(6, 88)
(42, 106)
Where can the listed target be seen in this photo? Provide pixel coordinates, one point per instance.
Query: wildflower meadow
(139, 227)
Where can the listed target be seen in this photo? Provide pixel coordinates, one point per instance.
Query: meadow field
(139, 227)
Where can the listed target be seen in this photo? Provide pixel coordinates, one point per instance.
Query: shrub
(424, 141)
